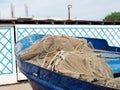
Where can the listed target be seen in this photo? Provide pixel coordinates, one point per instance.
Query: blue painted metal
(114, 65)
(101, 44)
(43, 79)
(6, 52)
(113, 60)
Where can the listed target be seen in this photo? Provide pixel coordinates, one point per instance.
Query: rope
(90, 45)
(45, 41)
(44, 60)
(55, 60)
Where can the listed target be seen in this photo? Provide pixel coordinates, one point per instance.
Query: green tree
(115, 16)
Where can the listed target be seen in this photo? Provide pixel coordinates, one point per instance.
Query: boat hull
(43, 79)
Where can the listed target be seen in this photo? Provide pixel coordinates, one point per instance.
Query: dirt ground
(18, 86)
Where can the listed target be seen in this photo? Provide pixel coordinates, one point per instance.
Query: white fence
(7, 58)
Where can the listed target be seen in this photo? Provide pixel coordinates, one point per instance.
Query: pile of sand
(69, 56)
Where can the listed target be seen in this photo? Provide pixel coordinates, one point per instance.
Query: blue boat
(43, 79)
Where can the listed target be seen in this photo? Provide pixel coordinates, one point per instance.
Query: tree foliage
(115, 16)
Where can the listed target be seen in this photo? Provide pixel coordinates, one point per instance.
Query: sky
(81, 9)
